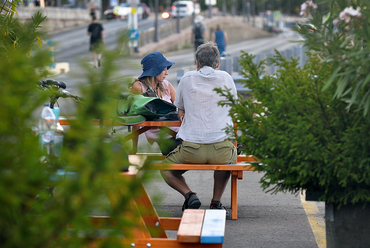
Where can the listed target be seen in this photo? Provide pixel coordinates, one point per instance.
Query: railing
(164, 31)
(57, 18)
(231, 65)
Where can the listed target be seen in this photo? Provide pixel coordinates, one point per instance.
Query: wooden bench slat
(244, 163)
(223, 167)
(157, 156)
(213, 229)
(191, 226)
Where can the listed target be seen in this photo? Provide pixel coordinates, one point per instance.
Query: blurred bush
(37, 211)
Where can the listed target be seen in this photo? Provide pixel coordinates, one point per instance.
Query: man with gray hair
(203, 123)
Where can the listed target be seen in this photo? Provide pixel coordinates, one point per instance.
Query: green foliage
(345, 45)
(36, 211)
(303, 136)
(16, 35)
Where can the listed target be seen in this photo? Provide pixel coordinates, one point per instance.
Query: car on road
(123, 10)
(184, 9)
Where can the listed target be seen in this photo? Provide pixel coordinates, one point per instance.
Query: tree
(16, 35)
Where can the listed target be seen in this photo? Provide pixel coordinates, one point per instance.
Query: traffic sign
(133, 34)
(116, 10)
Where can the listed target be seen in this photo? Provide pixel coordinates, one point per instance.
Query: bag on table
(134, 109)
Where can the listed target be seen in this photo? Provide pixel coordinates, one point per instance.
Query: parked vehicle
(166, 15)
(184, 8)
(123, 10)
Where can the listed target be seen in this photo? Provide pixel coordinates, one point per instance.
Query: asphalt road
(72, 44)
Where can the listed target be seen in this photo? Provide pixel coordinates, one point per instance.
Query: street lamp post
(244, 6)
(233, 8)
(272, 10)
(209, 9)
(254, 12)
(156, 21)
(178, 17)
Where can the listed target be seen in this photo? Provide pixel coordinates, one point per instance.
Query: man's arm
(181, 114)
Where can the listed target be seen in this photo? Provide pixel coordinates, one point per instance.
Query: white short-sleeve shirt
(204, 121)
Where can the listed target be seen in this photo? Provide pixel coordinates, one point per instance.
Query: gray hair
(208, 55)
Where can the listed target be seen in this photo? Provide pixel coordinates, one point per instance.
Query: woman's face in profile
(162, 76)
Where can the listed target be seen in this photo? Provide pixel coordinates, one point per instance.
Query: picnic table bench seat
(196, 228)
(243, 163)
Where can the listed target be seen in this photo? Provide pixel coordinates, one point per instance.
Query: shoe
(192, 202)
(215, 206)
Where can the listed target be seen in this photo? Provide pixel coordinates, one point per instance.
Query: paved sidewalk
(264, 220)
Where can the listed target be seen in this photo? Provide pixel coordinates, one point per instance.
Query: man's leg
(221, 178)
(99, 58)
(176, 182)
(94, 59)
(224, 153)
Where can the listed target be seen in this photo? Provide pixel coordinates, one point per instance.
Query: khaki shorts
(223, 152)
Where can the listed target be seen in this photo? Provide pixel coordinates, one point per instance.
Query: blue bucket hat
(153, 64)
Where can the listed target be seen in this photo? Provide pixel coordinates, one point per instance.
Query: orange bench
(243, 163)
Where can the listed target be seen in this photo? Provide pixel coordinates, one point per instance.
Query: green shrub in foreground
(42, 221)
(304, 138)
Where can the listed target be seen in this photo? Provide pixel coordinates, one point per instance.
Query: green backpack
(134, 109)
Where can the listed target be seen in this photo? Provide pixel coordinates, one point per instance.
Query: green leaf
(332, 77)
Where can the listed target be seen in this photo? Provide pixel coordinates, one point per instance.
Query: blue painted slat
(213, 230)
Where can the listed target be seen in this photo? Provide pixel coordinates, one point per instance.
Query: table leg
(135, 133)
(234, 195)
(149, 215)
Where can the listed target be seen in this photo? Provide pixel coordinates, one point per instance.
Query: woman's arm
(213, 37)
(172, 92)
(136, 89)
(225, 37)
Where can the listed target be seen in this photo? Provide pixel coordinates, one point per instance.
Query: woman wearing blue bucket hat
(152, 81)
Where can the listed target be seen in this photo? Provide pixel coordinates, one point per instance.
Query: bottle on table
(58, 133)
(47, 129)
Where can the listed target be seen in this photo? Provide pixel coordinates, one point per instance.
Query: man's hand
(181, 114)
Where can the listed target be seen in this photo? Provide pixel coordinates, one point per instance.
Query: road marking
(316, 221)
